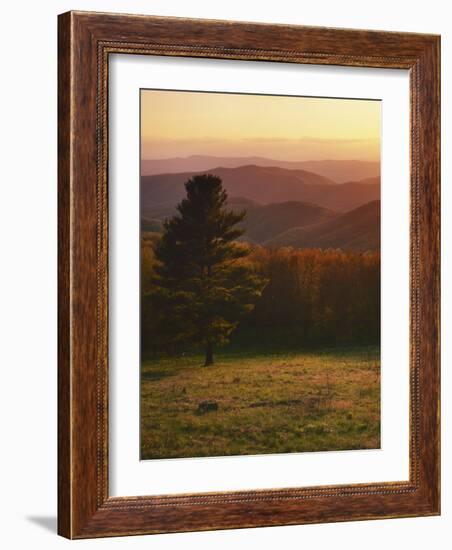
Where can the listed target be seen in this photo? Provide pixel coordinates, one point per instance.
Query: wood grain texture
(85, 42)
(64, 295)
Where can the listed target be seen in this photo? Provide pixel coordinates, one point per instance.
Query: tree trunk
(209, 354)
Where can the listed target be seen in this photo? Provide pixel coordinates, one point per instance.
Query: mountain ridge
(263, 222)
(358, 229)
(264, 185)
(339, 171)
(298, 225)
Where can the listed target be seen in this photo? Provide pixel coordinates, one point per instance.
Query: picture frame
(86, 40)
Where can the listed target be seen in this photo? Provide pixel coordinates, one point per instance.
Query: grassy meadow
(251, 403)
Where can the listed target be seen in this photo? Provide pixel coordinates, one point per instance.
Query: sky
(181, 124)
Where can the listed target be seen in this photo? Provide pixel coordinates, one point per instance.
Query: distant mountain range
(357, 230)
(283, 207)
(262, 223)
(338, 171)
(264, 185)
(298, 224)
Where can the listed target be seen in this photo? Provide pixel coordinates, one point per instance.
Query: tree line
(315, 297)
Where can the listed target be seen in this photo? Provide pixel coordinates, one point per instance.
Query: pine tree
(202, 286)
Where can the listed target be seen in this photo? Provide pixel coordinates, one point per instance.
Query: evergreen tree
(202, 285)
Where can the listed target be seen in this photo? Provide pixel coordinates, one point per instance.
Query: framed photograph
(248, 275)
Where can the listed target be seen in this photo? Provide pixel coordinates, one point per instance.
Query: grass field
(255, 404)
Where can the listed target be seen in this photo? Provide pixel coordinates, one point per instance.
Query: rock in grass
(207, 406)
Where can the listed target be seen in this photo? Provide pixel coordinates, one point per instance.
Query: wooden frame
(85, 42)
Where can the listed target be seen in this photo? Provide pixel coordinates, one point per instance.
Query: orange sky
(180, 124)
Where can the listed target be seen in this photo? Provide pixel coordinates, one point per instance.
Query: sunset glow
(180, 124)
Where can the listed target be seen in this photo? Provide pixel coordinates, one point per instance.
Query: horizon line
(259, 157)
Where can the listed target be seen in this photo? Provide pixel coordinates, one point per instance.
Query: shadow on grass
(152, 370)
(155, 375)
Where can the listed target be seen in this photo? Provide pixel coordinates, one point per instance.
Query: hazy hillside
(338, 171)
(264, 222)
(356, 230)
(344, 196)
(296, 224)
(265, 185)
(343, 170)
(160, 212)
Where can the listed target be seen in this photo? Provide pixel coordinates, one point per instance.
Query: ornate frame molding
(85, 42)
